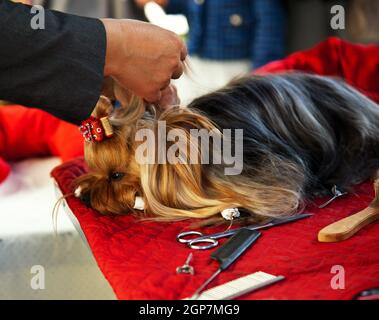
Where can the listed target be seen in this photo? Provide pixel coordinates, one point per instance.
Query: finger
(154, 96)
(165, 85)
(178, 71)
(174, 93)
(165, 90)
(169, 97)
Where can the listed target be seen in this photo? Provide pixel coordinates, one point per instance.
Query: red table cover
(139, 258)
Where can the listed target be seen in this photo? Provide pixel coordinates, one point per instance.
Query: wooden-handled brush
(345, 228)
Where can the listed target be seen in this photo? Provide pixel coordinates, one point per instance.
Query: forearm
(58, 69)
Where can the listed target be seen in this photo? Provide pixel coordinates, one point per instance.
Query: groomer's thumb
(154, 97)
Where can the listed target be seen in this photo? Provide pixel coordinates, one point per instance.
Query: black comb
(229, 252)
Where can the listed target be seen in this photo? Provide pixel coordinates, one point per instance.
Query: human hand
(169, 98)
(114, 91)
(142, 57)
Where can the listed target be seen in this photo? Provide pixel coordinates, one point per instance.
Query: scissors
(211, 239)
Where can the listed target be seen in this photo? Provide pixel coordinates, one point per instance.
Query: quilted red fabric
(357, 64)
(139, 258)
(26, 133)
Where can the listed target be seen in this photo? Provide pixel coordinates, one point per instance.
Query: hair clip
(78, 192)
(230, 213)
(97, 130)
(139, 204)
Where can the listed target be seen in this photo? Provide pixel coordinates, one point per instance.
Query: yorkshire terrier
(302, 135)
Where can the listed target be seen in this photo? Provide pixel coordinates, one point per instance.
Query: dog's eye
(116, 176)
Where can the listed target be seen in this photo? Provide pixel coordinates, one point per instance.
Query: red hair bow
(97, 130)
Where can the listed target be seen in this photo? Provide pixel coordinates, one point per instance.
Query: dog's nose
(86, 198)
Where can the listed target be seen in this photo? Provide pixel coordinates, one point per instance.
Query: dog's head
(113, 182)
(117, 174)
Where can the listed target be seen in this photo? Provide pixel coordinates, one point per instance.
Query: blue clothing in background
(234, 29)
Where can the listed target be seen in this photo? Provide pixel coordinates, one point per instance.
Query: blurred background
(226, 38)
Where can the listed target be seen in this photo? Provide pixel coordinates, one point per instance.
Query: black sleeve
(58, 69)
